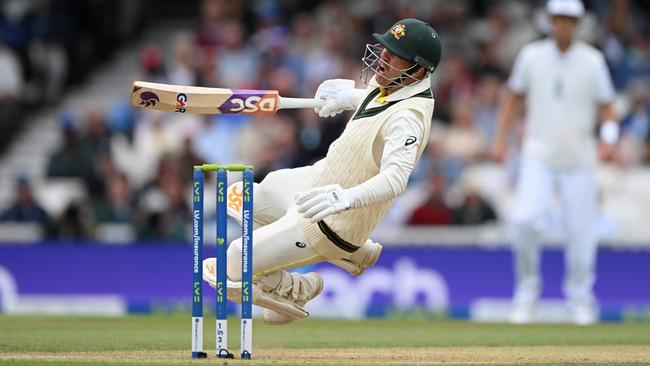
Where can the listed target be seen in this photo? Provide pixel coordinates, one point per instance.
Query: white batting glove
(338, 96)
(321, 202)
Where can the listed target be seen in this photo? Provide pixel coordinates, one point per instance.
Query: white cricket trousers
(536, 192)
(278, 240)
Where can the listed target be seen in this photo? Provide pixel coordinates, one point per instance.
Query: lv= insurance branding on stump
(221, 350)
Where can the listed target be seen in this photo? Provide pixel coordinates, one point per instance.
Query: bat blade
(199, 100)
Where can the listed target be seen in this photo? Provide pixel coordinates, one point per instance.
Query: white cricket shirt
(564, 92)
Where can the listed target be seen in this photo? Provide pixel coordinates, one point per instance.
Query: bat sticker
(181, 102)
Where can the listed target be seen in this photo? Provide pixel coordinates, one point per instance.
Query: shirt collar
(563, 55)
(405, 91)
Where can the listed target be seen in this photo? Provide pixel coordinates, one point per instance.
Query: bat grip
(294, 103)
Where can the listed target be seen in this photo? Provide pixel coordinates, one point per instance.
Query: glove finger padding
(302, 197)
(321, 215)
(319, 207)
(332, 87)
(330, 109)
(305, 206)
(333, 93)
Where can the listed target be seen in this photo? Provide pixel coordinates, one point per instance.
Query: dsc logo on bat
(253, 104)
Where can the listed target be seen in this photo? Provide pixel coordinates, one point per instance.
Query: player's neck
(384, 92)
(563, 45)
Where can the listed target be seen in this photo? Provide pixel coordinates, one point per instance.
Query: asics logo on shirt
(410, 140)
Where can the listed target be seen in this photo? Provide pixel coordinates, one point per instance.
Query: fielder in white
(326, 212)
(567, 88)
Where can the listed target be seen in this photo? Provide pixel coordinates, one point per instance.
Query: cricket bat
(199, 100)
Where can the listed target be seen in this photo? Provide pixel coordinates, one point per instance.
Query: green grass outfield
(165, 340)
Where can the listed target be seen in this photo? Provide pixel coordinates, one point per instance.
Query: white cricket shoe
(522, 313)
(583, 315)
(297, 288)
(365, 257)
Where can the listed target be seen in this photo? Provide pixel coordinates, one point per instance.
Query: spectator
(73, 158)
(47, 54)
(213, 141)
(187, 159)
(207, 69)
(634, 147)
(162, 210)
(236, 66)
(11, 85)
(25, 208)
(182, 70)
(96, 135)
(152, 65)
(435, 210)
(212, 15)
(474, 210)
(486, 106)
(115, 206)
(456, 82)
(463, 143)
(75, 223)
(152, 139)
(11, 79)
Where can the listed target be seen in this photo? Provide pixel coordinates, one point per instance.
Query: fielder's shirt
(564, 92)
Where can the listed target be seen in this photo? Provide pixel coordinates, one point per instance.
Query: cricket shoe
(365, 257)
(522, 313)
(282, 305)
(298, 289)
(584, 315)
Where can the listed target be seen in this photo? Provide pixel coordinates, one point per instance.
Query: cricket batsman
(566, 88)
(326, 212)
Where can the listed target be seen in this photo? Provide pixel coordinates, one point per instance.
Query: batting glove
(338, 94)
(321, 202)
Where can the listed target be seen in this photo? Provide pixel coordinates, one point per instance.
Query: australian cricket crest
(398, 31)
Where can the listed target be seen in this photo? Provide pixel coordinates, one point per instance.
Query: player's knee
(524, 230)
(268, 186)
(524, 223)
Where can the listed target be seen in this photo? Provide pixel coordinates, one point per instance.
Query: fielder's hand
(606, 152)
(338, 95)
(321, 202)
(499, 150)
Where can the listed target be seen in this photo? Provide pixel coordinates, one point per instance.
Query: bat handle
(294, 103)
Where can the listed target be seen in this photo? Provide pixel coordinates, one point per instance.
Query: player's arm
(609, 128)
(402, 137)
(511, 105)
(510, 109)
(609, 131)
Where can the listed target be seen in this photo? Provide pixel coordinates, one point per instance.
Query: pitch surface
(164, 340)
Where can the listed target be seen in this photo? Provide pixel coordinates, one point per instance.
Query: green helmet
(413, 40)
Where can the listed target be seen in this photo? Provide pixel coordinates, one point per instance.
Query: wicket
(247, 261)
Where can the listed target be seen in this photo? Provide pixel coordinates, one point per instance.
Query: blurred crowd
(136, 164)
(41, 41)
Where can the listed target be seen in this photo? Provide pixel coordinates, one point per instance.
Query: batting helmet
(413, 40)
